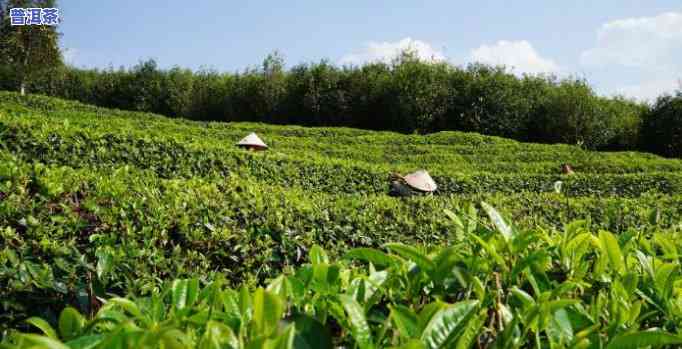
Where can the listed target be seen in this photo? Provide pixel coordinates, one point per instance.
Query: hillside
(120, 201)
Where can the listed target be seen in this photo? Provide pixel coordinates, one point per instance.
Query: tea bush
(62, 224)
(97, 202)
(324, 160)
(492, 286)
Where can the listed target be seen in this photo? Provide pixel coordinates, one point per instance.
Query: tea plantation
(96, 204)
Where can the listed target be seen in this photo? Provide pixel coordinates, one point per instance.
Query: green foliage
(420, 94)
(491, 101)
(355, 161)
(662, 126)
(581, 122)
(545, 301)
(29, 52)
(129, 229)
(409, 95)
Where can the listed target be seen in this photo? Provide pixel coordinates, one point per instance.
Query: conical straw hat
(421, 181)
(252, 140)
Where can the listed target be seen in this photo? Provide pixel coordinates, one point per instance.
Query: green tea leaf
(217, 336)
(643, 340)
(127, 305)
(356, 317)
(612, 249)
(85, 342)
(268, 309)
(43, 342)
(405, 320)
(412, 254)
(497, 220)
(311, 334)
(471, 331)
(70, 323)
(283, 341)
(318, 255)
(179, 291)
(448, 324)
(43, 326)
(371, 255)
(104, 263)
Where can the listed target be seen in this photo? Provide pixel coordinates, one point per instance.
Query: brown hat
(252, 140)
(421, 180)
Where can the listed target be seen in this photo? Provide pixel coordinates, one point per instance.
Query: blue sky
(630, 47)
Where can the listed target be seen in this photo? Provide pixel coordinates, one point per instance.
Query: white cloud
(648, 49)
(386, 51)
(519, 56)
(649, 90)
(69, 55)
(648, 42)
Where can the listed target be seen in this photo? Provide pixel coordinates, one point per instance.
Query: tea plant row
(493, 286)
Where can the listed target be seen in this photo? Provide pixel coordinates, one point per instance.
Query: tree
(177, 92)
(145, 84)
(29, 50)
(273, 88)
(259, 92)
(571, 113)
(662, 126)
(491, 101)
(421, 92)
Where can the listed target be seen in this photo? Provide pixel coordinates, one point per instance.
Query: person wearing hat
(252, 142)
(566, 169)
(416, 183)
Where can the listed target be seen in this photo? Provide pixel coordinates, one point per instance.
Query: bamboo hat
(421, 180)
(252, 140)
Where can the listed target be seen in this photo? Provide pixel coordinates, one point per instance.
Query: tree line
(406, 95)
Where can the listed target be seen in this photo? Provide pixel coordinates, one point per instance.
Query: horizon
(624, 48)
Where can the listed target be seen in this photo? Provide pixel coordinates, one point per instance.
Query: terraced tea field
(96, 201)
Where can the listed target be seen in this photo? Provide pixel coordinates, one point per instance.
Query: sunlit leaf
(644, 339)
(356, 318)
(70, 323)
(405, 320)
(497, 220)
(612, 249)
(43, 326)
(371, 255)
(318, 255)
(267, 311)
(414, 255)
(448, 324)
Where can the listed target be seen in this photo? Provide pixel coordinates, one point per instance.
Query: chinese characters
(34, 16)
